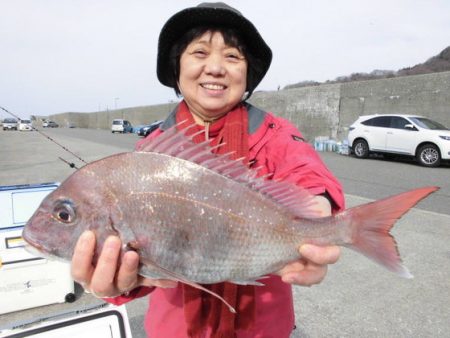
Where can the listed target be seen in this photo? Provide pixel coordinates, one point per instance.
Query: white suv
(412, 135)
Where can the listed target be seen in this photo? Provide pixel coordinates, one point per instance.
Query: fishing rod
(71, 164)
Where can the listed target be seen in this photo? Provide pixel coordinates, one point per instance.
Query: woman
(214, 57)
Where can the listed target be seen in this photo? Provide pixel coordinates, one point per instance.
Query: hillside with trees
(438, 63)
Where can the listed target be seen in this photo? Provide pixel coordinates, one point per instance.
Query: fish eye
(64, 212)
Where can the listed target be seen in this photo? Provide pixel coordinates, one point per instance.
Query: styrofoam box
(26, 280)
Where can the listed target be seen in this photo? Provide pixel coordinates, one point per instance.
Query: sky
(88, 55)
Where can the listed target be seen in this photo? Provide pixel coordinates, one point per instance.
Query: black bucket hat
(214, 14)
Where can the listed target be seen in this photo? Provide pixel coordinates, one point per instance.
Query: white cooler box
(104, 321)
(27, 281)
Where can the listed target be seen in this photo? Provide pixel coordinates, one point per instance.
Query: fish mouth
(38, 250)
(33, 250)
(43, 251)
(30, 245)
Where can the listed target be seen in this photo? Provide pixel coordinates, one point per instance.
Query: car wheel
(428, 155)
(361, 149)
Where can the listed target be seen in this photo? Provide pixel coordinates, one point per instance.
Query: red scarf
(202, 310)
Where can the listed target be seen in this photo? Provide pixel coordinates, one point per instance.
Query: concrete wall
(103, 119)
(325, 110)
(314, 110)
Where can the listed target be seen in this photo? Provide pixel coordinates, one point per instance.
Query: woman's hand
(108, 278)
(312, 267)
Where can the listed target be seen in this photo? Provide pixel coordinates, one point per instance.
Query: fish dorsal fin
(178, 144)
(299, 201)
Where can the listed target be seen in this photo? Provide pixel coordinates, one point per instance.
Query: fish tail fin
(372, 222)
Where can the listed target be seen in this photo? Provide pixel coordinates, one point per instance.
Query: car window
(399, 122)
(117, 122)
(428, 124)
(379, 121)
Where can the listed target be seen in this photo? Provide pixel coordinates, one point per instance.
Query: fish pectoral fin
(125, 233)
(179, 278)
(133, 246)
(251, 281)
(247, 282)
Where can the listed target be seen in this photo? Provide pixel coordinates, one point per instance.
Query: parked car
(10, 124)
(412, 135)
(121, 126)
(25, 125)
(136, 128)
(148, 129)
(50, 124)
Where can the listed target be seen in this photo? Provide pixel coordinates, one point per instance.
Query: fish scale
(239, 229)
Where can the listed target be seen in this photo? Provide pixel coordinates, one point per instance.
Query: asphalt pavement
(357, 299)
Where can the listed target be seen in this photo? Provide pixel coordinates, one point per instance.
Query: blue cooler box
(26, 280)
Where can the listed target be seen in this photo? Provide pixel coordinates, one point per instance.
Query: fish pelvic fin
(372, 222)
(165, 273)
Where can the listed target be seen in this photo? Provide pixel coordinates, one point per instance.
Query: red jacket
(277, 147)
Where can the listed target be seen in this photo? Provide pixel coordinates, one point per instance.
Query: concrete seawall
(324, 110)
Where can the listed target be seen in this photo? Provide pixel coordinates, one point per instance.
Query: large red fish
(197, 217)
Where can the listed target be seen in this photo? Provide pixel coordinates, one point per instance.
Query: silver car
(9, 124)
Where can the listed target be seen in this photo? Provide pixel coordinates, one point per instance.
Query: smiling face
(213, 76)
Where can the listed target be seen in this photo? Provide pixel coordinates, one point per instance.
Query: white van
(121, 126)
(25, 125)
